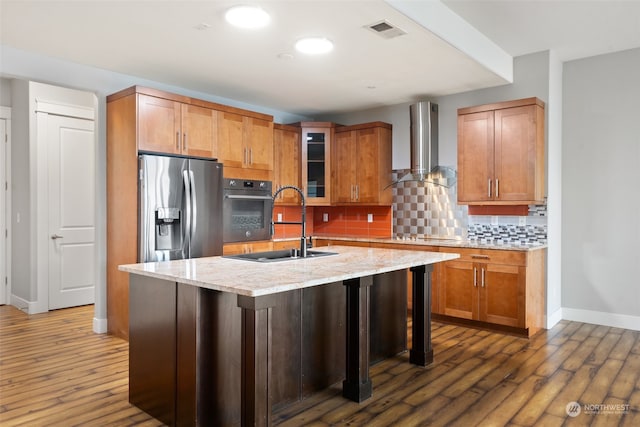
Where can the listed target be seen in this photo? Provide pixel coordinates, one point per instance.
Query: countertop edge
(149, 270)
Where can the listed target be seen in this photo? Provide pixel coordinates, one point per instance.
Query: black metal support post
(357, 385)
(421, 351)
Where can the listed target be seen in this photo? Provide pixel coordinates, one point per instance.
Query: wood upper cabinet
(286, 162)
(199, 131)
(493, 286)
(245, 142)
(501, 153)
(316, 141)
(172, 127)
(361, 167)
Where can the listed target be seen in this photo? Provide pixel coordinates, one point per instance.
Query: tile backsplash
(428, 211)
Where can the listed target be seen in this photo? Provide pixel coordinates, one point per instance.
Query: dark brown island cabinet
(204, 354)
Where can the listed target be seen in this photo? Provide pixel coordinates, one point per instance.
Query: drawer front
(492, 256)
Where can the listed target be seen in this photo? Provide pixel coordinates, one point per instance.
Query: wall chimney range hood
(424, 147)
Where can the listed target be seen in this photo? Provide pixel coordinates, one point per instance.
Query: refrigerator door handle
(187, 231)
(194, 205)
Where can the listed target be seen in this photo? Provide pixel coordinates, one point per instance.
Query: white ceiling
(164, 41)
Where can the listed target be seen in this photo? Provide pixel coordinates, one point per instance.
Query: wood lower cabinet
(246, 248)
(361, 168)
(501, 153)
(495, 287)
(286, 162)
(498, 289)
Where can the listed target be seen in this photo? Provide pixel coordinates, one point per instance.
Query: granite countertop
(256, 279)
(453, 243)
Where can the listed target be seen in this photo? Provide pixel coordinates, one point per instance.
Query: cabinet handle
(475, 277)
(480, 256)
(482, 281)
(244, 156)
(250, 156)
(352, 194)
(489, 187)
(177, 140)
(497, 188)
(357, 192)
(184, 141)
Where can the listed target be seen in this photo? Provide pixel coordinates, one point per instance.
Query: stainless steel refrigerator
(180, 208)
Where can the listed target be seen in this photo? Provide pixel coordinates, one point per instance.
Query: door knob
(56, 236)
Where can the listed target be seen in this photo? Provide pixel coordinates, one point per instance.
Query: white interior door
(3, 212)
(72, 175)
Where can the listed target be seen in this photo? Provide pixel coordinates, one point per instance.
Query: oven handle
(233, 196)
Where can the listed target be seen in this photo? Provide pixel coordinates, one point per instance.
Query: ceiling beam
(437, 18)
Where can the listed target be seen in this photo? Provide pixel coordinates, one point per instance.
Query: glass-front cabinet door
(316, 162)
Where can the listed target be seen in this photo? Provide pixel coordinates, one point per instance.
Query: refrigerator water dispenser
(168, 229)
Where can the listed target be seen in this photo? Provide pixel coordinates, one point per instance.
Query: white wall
(21, 271)
(554, 192)
(5, 92)
(601, 190)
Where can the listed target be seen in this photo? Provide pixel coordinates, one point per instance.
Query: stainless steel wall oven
(247, 210)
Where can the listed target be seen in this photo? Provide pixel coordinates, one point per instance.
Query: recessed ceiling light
(314, 45)
(247, 17)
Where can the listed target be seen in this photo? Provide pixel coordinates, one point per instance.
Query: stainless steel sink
(281, 255)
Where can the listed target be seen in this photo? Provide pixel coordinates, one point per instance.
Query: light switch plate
(279, 217)
(325, 217)
(522, 221)
(494, 220)
(369, 217)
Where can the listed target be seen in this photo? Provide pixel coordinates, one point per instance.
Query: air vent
(385, 29)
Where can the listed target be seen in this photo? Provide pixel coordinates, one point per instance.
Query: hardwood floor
(55, 371)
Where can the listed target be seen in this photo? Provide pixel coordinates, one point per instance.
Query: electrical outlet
(325, 217)
(369, 217)
(279, 217)
(522, 221)
(494, 220)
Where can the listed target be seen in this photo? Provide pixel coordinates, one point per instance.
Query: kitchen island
(184, 342)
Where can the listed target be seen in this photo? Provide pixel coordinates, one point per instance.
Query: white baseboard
(21, 304)
(600, 318)
(99, 325)
(554, 318)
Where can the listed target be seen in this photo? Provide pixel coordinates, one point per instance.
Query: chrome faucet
(303, 223)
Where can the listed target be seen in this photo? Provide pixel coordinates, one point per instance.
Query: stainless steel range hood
(424, 147)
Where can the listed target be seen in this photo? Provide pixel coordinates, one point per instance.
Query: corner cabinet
(495, 287)
(316, 140)
(286, 162)
(361, 169)
(501, 153)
